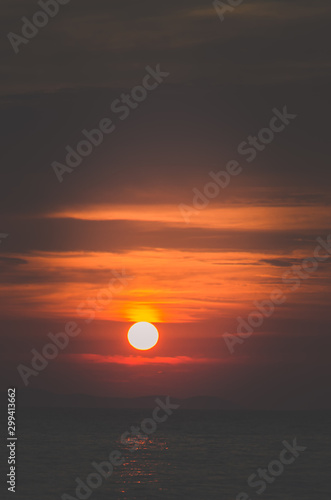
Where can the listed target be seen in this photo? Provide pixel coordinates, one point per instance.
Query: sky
(119, 213)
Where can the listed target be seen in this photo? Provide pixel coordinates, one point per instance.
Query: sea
(193, 455)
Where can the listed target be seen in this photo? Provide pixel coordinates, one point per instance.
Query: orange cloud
(141, 360)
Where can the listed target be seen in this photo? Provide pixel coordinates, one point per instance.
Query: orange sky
(118, 211)
(195, 283)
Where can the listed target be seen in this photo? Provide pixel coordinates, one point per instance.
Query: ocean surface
(194, 455)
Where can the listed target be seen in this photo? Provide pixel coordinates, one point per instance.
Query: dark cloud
(87, 44)
(72, 235)
(281, 262)
(11, 261)
(165, 148)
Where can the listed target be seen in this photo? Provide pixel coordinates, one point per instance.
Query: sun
(143, 336)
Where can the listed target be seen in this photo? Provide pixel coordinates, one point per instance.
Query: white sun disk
(143, 335)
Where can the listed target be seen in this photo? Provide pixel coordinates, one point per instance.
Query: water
(194, 455)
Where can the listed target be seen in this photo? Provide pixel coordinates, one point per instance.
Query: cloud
(86, 39)
(281, 262)
(11, 261)
(141, 360)
(119, 236)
